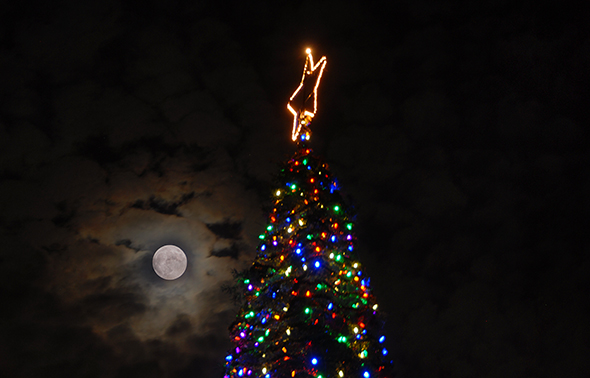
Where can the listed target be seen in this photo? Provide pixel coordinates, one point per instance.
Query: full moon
(169, 262)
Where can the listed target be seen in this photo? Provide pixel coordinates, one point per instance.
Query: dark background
(458, 130)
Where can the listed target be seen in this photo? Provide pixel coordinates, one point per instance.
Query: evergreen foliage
(308, 309)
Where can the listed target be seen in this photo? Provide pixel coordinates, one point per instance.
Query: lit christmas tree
(308, 310)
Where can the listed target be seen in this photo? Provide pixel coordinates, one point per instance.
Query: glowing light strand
(302, 116)
(342, 301)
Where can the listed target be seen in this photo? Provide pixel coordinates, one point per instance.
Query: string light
(303, 116)
(305, 200)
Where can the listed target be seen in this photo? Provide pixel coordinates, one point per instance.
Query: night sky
(458, 131)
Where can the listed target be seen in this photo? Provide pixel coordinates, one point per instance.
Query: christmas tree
(308, 308)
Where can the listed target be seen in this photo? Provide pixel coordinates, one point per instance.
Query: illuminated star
(302, 110)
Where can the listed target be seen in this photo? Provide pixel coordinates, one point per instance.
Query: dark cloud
(161, 206)
(127, 243)
(232, 251)
(457, 131)
(226, 230)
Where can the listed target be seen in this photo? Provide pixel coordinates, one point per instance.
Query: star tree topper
(303, 111)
